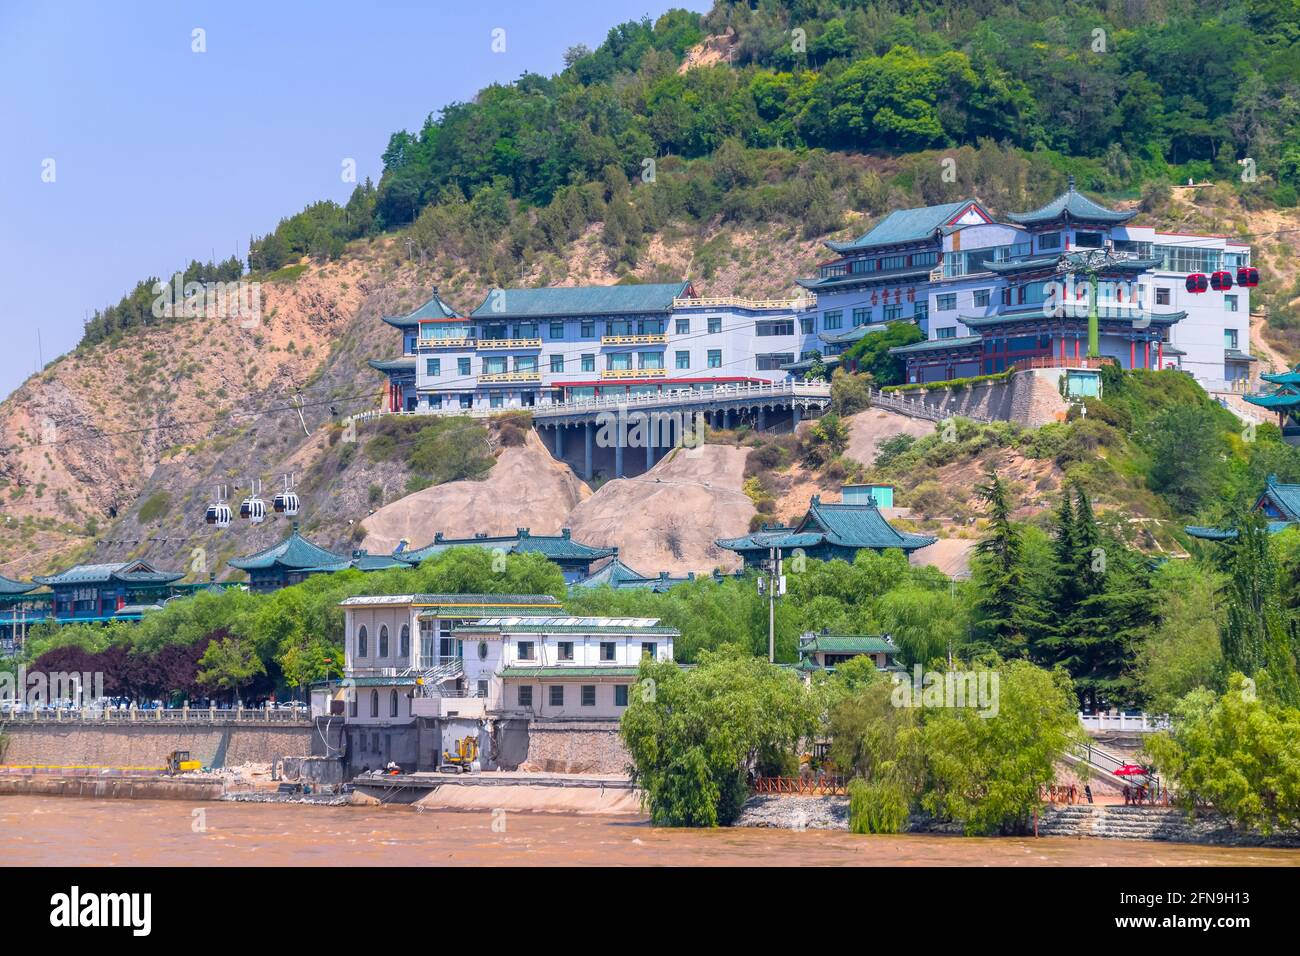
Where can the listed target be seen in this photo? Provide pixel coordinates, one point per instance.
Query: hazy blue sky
(162, 155)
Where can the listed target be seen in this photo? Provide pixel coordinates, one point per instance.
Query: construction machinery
(463, 760)
(178, 761)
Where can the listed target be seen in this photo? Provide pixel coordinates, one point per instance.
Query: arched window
(374, 703)
(361, 642)
(383, 640)
(392, 703)
(404, 643)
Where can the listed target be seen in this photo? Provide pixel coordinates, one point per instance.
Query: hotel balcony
(488, 344)
(463, 343)
(616, 373)
(653, 338)
(502, 377)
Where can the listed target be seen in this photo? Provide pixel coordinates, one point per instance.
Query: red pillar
(1132, 353)
(1160, 354)
(1076, 347)
(1062, 346)
(1146, 354)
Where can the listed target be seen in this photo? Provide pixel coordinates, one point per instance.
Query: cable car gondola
(1248, 277)
(1197, 282)
(285, 503)
(1221, 281)
(253, 509)
(218, 514)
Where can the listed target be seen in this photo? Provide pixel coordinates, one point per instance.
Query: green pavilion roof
(393, 365)
(581, 300)
(294, 553)
(911, 225)
(1143, 319)
(129, 573)
(1277, 400)
(9, 586)
(1291, 377)
(848, 644)
(1071, 205)
(857, 525)
(618, 575)
(1285, 498)
(433, 309)
(558, 547)
(866, 278)
(558, 672)
(936, 345)
(363, 561)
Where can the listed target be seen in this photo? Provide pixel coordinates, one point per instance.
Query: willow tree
(1258, 637)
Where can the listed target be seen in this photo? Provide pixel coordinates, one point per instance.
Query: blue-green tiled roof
(435, 308)
(363, 561)
(130, 572)
(580, 300)
(294, 552)
(10, 586)
(909, 225)
(933, 345)
(393, 365)
(1285, 496)
(857, 525)
(560, 547)
(1075, 205)
(848, 644)
(618, 575)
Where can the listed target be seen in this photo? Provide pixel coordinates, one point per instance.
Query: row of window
(527, 650)
(586, 695)
(615, 361)
(381, 650)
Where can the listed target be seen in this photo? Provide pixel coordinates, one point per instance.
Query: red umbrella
(1130, 770)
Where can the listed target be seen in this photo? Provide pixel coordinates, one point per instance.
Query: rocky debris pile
(795, 813)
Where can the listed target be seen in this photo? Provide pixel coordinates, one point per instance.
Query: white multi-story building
(976, 287)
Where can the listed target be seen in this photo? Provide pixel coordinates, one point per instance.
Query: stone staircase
(1115, 822)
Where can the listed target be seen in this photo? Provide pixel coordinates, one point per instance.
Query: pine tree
(1005, 608)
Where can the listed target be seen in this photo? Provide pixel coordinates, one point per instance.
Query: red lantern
(911, 295)
(1221, 281)
(1248, 277)
(874, 296)
(1198, 283)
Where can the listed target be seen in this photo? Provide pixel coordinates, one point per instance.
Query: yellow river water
(58, 831)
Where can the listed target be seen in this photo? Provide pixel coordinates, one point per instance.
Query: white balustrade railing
(1130, 723)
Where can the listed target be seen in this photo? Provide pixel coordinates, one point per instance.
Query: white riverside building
(424, 670)
(974, 286)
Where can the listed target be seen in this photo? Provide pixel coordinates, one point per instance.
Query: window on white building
(525, 650)
(683, 326)
(1162, 296)
(557, 363)
(715, 325)
(462, 366)
(557, 695)
(363, 640)
(525, 696)
(589, 363)
(607, 650)
(433, 367)
(833, 319)
(715, 358)
(1049, 240)
(565, 652)
(946, 302)
(683, 359)
(947, 332)
(588, 695)
(980, 298)
(649, 649)
(1230, 338)
(620, 695)
(383, 640)
(1230, 303)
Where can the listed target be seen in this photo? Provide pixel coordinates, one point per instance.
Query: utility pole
(775, 587)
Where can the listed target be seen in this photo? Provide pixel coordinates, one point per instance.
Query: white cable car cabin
(218, 514)
(285, 503)
(254, 509)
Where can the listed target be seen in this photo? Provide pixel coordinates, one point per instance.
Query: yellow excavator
(463, 760)
(178, 761)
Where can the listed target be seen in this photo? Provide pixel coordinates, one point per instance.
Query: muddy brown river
(59, 831)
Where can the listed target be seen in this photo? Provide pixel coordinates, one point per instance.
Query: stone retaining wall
(587, 746)
(1031, 398)
(142, 745)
